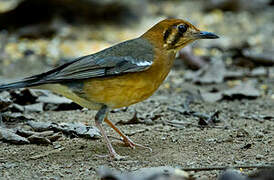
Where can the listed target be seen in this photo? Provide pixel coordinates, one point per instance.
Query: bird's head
(174, 34)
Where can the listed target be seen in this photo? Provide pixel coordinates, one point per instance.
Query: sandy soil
(187, 146)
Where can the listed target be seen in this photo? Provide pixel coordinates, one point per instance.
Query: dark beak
(206, 35)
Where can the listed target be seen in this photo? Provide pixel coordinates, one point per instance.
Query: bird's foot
(130, 143)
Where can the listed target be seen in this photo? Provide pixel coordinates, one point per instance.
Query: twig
(1, 121)
(204, 119)
(184, 124)
(211, 168)
(137, 131)
(46, 153)
(133, 120)
(193, 61)
(177, 110)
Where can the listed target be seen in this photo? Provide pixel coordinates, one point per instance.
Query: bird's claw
(131, 144)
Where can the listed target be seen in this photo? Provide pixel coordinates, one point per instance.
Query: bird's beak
(206, 35)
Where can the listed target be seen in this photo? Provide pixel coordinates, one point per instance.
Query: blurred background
(38, 34)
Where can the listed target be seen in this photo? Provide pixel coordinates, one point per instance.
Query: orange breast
(130, 88)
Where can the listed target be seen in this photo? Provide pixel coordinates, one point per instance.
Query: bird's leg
(126, 139)
(99, 117)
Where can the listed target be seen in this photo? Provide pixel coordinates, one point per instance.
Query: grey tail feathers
(20, 84)
(39, 79)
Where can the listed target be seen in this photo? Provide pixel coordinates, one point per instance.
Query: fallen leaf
(212, 73)
(7, 135)
(151, 173)
(211, 97)
(245, 90)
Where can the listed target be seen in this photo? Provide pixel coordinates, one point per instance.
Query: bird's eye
(182, 28)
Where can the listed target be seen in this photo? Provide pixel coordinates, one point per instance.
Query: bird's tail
(20, 84)
(39, 79)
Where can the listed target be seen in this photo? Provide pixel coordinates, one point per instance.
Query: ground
(186, 146)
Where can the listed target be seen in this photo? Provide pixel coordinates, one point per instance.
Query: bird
(118, 76)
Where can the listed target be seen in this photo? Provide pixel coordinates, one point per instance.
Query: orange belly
(124, 90)
(121, 91)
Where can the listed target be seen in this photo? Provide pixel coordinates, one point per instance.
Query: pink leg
(112, 152)
(126, 139)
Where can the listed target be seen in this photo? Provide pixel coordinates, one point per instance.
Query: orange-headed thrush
(121, 75)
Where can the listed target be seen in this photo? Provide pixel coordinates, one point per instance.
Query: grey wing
(87, 67)
(130, 56)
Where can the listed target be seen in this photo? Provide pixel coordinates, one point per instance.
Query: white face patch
(144, 63)
(171, 37)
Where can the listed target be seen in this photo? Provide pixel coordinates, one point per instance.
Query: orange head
(174, 34)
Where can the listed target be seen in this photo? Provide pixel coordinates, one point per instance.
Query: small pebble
(259, 135)
(259, 156)
(57, 146)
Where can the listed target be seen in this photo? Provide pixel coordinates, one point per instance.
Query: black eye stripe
(167, 33)
(176, 38)
(181, 29)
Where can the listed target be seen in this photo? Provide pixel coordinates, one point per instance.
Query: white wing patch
(144, 63)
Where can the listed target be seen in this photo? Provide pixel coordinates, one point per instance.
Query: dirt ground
(188, 146)
(242, 137)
